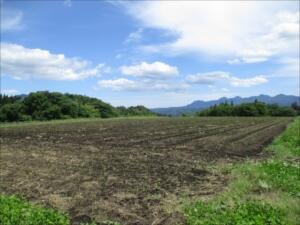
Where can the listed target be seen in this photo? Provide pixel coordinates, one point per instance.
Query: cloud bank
(21, 63)
(239, 31)
(220, 76)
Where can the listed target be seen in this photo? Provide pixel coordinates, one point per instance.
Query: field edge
(263, 191)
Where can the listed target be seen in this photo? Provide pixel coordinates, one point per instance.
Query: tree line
(44, 105)
(251, 109)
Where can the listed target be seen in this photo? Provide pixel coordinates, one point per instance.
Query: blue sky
(154, 53)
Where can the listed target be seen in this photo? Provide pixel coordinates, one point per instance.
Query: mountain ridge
(198, 105)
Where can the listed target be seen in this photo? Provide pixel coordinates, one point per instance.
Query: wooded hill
(44, 105)
(251, 109)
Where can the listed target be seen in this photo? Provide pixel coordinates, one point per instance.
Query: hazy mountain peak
(195, 106)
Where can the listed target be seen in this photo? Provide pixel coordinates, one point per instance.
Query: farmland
(134, 170)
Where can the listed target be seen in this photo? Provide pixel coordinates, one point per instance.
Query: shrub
(11, 112)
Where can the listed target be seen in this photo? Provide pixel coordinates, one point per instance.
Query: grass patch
(288, 143)
(16, 211)
(260, 193)
(246, 213)
(279, 175)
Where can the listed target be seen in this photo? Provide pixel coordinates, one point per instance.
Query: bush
(12, 112)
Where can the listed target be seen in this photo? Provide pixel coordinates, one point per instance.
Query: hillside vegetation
(44, 105)
(251, 109)
(198, 105)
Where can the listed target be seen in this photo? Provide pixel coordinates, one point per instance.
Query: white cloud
(156, 70)
(25, 63)
(120, 84)
(248, 82)
(239, 31)
(9, 92)
(220, 76)
(11, 19)
(135, 36)
(169, 87)
(288, 24)
(281, 40)
(123, 84)
(147, 77)
(208, 78)
(233, 61)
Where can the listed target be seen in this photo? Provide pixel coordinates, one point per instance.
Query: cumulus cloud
(146, 77)
(11, 19)
(248, 82)
(282, 40)
(155, 70)
(21, 63)
(120, 84)
(240, 31)
(123, 84)
(220, 76)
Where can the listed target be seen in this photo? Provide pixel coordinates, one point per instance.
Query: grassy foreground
(264, 192)
(261, 192)
(15, 211)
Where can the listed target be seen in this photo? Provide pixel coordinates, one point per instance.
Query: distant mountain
(196, 106)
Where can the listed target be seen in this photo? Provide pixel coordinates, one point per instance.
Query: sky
(152, 53)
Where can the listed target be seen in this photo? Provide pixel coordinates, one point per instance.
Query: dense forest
(251, 109)
(44, 105)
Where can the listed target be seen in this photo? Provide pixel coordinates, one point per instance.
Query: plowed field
(131, 170)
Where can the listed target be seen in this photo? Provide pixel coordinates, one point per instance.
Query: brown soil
(135, 171)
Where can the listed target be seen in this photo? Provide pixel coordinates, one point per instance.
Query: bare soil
(136, 171)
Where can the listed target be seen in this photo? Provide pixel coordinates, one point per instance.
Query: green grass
(288, 144)
(279, 175)
(241, 213)
(16, 211)
(260, 192)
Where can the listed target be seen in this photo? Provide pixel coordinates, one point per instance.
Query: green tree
(12, 112)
